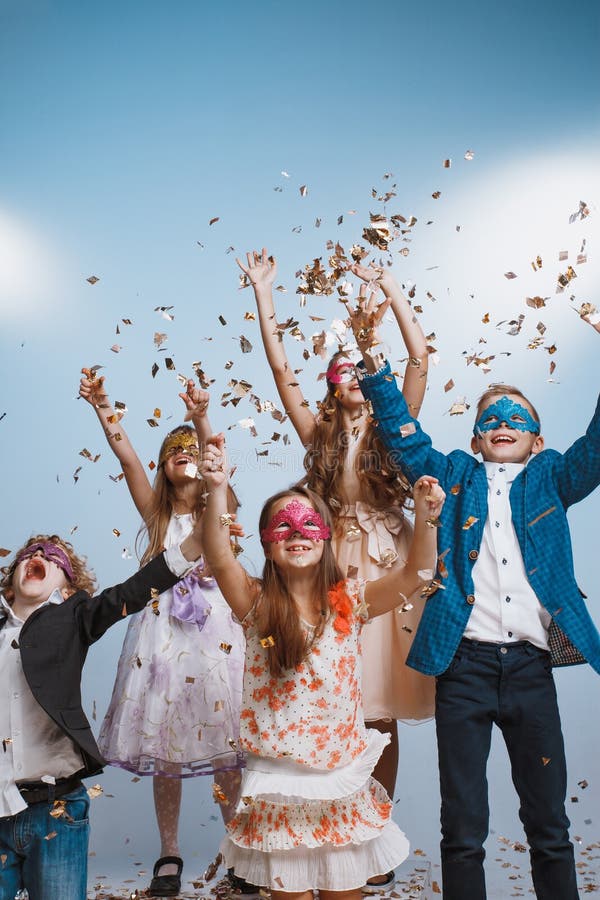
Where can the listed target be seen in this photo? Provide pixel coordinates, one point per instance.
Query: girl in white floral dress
(175, 706)
(310, 815)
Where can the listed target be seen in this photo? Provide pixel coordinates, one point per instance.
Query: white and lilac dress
(175, 706)
(310, 815)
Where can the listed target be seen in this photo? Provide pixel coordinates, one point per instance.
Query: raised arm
(196, 403)
(397, 428)
(419, 569)
(91, 388)
(261, 270)
(415, 374)
(240, 591)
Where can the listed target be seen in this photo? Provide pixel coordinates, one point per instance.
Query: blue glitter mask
(512, 414)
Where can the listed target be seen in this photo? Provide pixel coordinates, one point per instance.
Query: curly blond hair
(83, 578)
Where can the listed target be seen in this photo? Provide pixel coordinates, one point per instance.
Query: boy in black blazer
(48, 619)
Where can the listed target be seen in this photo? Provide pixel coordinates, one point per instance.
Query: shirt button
(508, 599)
(470, 599)
(504, 561)
(497, 524)
(498, 492)
(503, 650)
(510, 633)
(501, 469)
(473, 554)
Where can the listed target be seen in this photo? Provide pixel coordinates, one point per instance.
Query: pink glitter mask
(51, 552)
(299, 519)
(340, 373)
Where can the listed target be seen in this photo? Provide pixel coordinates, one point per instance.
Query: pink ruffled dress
(372, 543)
(310, 815)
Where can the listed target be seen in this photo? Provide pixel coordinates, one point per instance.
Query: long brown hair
(83, 578)
(381, 481)
(277, 616)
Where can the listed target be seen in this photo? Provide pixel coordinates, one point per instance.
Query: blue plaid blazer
(539, 498)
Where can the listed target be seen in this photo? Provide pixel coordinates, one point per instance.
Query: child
(175, 706)
(47, 622)
(311, 817)
(510, 609)
(365, 498)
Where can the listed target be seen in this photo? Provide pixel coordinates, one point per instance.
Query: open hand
(261, 269)
(366, 317)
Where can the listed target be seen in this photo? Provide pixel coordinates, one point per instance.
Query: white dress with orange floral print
(368, 544)
(311, 816)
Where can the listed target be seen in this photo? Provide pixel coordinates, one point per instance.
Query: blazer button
(473, 554)
(470, 599)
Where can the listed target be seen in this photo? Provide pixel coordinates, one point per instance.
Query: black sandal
(166, 885)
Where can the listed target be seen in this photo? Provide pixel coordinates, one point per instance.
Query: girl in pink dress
(347, 465)
(311, 817)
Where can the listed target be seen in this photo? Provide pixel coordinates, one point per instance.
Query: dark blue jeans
(46, 855)
(510, 685)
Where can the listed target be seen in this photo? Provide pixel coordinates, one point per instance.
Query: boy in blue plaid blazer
(508, 608)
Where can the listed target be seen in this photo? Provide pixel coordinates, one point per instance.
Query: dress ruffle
(283, 780)
(327, 867)
(297, 828)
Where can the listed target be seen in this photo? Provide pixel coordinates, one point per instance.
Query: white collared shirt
(506, 609)
(32, 746)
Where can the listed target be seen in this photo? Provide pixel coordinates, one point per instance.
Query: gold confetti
(303, 191)
(545, 760)
(219, 704)
(436, 195)
(447, 163)
(116, 532)
(189, 679)
(225, 647)
(95, 791)
(245, 344)
(469, 155)
(455, 489)
(4, 552)
(219, 796)
(50, 835)
(510, 275)
(93, 279)
(213, 220)
(536, 302)
(448, 386)
(470, 522)
(267, 641)
(226, 519)
(459, 407)
(407, 429)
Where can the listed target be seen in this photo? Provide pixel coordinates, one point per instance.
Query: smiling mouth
(503, 439)
(183, 460)
(36, 570)
(298, 548)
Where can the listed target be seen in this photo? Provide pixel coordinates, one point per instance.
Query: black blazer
(54, 643)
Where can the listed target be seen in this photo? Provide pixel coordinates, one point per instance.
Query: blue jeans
(46, 855)
(510, 685)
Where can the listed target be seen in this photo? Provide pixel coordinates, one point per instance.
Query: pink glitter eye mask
(340, 373)
(299, 519)
(51, 552)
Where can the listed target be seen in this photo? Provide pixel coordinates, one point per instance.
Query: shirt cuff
(177, 562)
(362, 374)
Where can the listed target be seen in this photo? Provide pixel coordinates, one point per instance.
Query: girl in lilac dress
(175, 706)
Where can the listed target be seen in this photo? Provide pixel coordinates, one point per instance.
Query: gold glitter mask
(180, 442)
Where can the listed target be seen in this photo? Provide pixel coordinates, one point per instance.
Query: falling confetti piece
(213, 220)
(469, 155)
(510, 275)
(470, 522)
(268, 641)
(93, 279)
